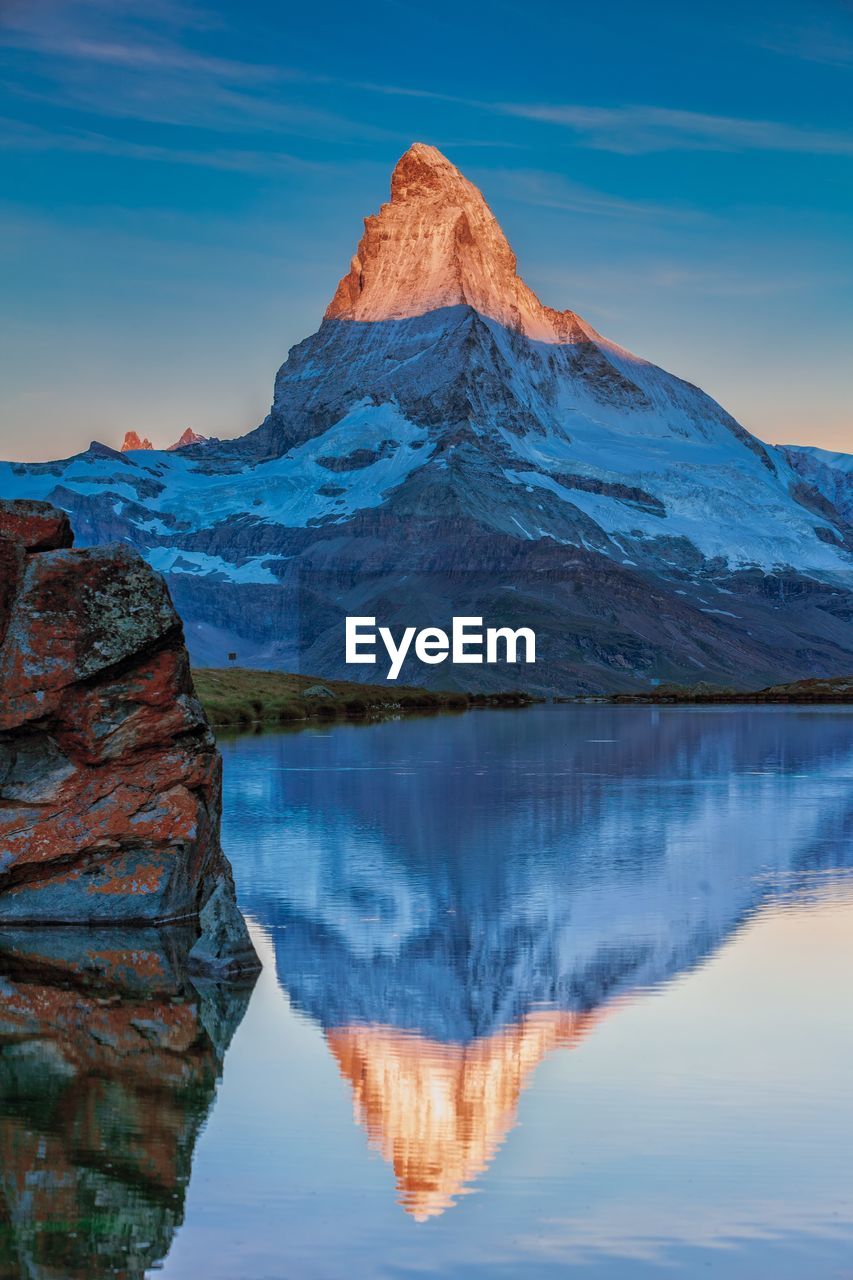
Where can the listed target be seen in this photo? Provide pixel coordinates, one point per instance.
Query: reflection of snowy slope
(563, 883)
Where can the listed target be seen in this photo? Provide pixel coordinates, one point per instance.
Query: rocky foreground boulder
(110, 781)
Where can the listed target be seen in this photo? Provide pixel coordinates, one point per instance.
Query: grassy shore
(838, 689)
(237, 696)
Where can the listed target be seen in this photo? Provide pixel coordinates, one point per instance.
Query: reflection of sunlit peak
(438, 1112)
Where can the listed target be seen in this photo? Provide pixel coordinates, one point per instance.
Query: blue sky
(183, 184)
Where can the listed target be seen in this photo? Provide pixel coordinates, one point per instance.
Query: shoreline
(240, 698)
(835, 690)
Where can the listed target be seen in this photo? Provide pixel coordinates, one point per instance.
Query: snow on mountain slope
(841, 462)
(439, 322)
(442, 420)
(693, 488)
(830, 473)
(162, 496)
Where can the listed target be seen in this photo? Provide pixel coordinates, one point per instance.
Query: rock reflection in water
(109, 1061)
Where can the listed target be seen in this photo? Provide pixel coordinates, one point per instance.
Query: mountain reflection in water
(451, 905)
(439, 1111)
(444, 905)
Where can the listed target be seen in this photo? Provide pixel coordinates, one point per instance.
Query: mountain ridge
(133, 442)
(424, 455)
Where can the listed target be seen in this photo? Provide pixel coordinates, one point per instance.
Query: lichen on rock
(110, 780)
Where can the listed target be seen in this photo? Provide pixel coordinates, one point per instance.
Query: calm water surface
(557, 991)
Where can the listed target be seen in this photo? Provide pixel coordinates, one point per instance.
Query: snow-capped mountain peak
(434, 315)
(444, 433)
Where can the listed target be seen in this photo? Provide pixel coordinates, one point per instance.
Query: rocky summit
(133, 442)
(447, 445)
(110, 781)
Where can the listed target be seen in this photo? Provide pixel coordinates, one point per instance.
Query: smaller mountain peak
(132, 441)
(98, 450)
(189, 437)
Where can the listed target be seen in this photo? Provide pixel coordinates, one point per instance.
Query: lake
(557, 989)
(563, 990)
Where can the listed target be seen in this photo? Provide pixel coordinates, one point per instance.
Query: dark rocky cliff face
(110, 784)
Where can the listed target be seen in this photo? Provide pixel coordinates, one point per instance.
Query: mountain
(831, 474)
(132, 441)
(446, 444)
(452, 927)
(188, 437)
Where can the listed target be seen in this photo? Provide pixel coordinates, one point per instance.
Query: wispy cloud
(153, 63)
(213, 106)
(118, 60)
(405, 91)
(828, 41)
(16, 136)
(158, 56)
(641, 130)
(116, 34)
(552, 191)
(718, 280)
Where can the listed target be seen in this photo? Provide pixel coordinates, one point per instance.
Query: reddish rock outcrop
(436, 243)
(188, 437)
(132, 441)
(110, 781)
